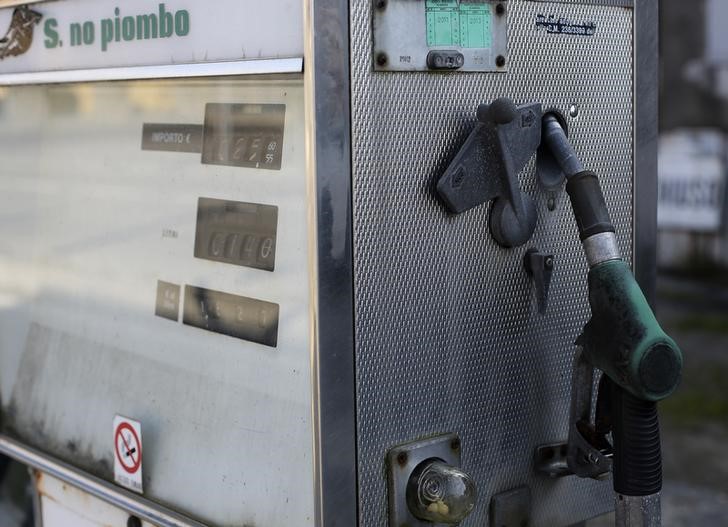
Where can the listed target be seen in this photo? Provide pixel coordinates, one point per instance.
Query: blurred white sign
(716, 45)
(692, 181)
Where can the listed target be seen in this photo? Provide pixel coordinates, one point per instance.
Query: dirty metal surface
(445, 319)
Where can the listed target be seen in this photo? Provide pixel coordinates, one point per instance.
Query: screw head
(549, 263)
(402, 458)
(574, 110)
(382, 59)
(455, 443)
(500, 61)
(500, 10)
(551, 203)
(381, 4)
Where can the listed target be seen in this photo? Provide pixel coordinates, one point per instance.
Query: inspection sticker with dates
(128, 453)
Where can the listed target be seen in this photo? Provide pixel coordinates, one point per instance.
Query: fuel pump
(641, 365)
(285, 327)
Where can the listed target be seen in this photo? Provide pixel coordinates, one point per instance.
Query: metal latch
(445, 60)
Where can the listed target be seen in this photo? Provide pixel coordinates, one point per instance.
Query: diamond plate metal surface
(623, 3)
(448, 338)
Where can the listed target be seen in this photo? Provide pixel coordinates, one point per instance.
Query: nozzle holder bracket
(486, 169)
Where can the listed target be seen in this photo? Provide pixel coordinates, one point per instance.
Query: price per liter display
(232, 315)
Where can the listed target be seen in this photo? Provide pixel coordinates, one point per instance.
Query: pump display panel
(154, 265)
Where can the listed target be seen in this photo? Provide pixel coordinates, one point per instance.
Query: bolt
(133, 521)
(402, 458)
(551, 203)
(500, 10)
(382, 59)
(574, 110)
(500, 61)
(455, 444)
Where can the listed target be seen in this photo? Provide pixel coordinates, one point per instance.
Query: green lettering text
(49, 28)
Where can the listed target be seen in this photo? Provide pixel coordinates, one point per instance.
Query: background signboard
(692, 180)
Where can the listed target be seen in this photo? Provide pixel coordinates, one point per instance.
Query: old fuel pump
(220, 235)
(641, 365)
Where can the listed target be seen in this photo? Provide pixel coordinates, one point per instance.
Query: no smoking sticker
(128, 453)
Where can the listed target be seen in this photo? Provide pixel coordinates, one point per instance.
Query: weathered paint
(62, 505)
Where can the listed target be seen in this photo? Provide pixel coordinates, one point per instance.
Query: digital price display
(236, 316)
(237, 233)
(244, 135)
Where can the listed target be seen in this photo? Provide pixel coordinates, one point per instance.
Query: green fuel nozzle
(622, 338)
(641, 363)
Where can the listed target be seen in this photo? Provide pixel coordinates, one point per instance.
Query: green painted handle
(623, 338)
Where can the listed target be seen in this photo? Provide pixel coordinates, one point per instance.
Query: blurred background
(692, 262)
(692, 259)
(692, 300)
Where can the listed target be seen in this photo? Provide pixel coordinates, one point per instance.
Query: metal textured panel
(622, 3)
(447, 333)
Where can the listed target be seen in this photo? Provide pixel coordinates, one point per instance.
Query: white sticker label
(128, 453)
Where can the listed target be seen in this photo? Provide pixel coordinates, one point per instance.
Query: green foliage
(703, 397)
(709, 323)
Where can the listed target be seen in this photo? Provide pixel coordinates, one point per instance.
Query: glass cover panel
(154, 265)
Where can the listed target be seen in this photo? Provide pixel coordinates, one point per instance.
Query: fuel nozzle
(623, 339)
